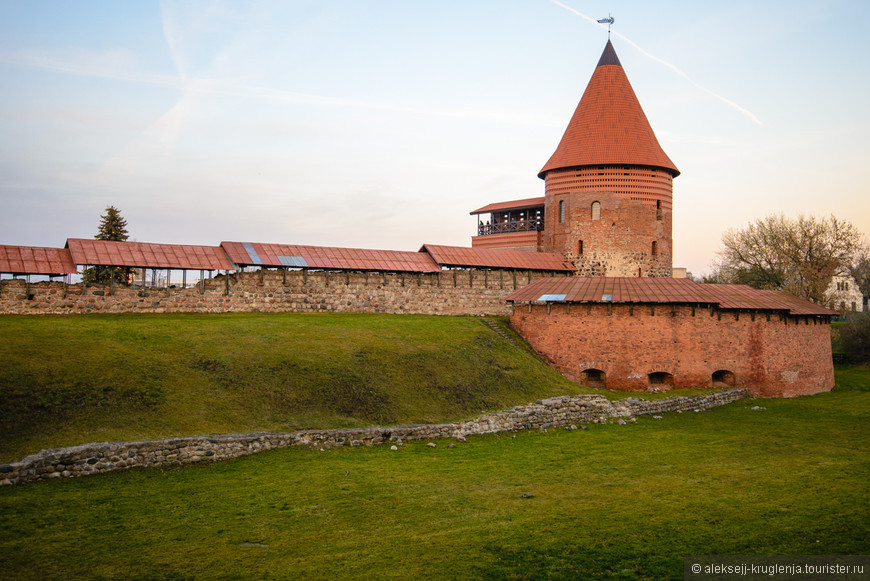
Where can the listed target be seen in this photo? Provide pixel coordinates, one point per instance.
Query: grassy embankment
(612, 502)
(69, 380)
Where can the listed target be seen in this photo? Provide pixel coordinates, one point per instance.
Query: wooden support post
(631, 310)
(346, 278)
(227, 283)
(693, 310)
(652, 310)
(112, 282)
(673, 310)
(454, 278)
(201, 282)
(27, 287)
(514, 273)
(284, 275)
(567, 308)
(548, 307)
(609, 308)
(402, 278)
(183, 278)
(501, 279)
(588, 308)
(168, 278)
(262, 271)
(326, 273)
(65, 284)
(304, 276)
(486, 279)
(530, 306)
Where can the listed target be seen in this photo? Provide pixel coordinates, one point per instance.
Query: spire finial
(609, 21)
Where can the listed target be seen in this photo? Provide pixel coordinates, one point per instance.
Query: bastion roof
(609, 126)
(662, 291)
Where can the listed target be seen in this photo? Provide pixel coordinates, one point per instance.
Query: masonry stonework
(557, 412)
(620, 237)
(450, 292)
(642, 347)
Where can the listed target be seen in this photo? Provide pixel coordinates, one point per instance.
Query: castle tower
(609, 185)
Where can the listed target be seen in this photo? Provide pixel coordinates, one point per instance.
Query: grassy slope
(71, 380)
(615, 501)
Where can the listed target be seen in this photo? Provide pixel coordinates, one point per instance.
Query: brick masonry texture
(564, 412)
(619, 243)
(772, 355)
(450, 292)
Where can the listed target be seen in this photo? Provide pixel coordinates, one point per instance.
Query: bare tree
(797, 255)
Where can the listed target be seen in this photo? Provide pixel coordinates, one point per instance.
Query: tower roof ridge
(609, 126)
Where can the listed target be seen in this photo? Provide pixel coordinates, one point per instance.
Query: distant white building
(843, 294)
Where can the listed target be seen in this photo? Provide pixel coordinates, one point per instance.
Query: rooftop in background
(512, 205)
(609, 126)
(35, 260)
(662, 290)
(278, 255)
(145, 255)
(460, 256)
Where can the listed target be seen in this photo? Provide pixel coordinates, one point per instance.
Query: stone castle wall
(564, 412)
(772, 354)
(449, 292)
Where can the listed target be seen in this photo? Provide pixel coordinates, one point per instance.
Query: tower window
(658, 209)
(561, 211)
(580, 247)
(654, 249)
(596, 210)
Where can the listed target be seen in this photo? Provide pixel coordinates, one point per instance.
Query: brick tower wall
(771, 354)
(628, 238)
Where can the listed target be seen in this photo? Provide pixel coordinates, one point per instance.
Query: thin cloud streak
(674, 68)
(232, 89)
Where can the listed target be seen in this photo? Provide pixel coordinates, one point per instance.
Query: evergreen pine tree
(112, 227)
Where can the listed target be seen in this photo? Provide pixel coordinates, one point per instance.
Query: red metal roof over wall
(36, 260)
(512, 205)
(277, 255)
(144, 255)
(459, 256)
(609, 126)
(662, 290)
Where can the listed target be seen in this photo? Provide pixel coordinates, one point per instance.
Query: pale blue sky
(381, 124)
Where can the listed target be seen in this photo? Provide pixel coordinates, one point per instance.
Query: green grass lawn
(611, 502)
(68, 380)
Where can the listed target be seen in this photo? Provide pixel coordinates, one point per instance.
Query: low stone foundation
(564, 411)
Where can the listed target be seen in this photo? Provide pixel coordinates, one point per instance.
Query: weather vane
(609, 22)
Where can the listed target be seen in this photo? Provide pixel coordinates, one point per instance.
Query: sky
(382, 123)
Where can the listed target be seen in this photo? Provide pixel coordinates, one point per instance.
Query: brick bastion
(658, 347)
(557, 412)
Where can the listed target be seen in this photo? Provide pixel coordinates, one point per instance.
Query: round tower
(609, 185)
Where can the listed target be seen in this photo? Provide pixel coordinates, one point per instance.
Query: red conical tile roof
(609, 126)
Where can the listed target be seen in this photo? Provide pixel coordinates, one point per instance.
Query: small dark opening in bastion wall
(723, 378)
(593, 378)
(661, 380)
